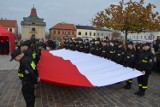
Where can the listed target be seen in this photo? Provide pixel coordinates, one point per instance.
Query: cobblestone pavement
(63, 96)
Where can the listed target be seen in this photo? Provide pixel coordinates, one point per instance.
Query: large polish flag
(66, 67)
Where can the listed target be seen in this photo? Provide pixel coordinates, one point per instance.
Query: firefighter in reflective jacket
(86, 46)
(27, 75)
(104, 49)
(129, 61)
(111, 52)
(119, 54)
(92, 48)
(144, 64)
(98, 48)
(81, 45)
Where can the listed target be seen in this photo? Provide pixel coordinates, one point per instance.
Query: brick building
(61, 30)
(10, 25)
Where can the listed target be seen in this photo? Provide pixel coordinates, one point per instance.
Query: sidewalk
(49, 95)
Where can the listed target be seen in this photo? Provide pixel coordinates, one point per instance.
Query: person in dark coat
(2, 47)
(86, 46)
(104, 51)
(111, 52)
(119, 54)
(7, 47)
(92, 48)
(129, 61)
(81, 45)
(98, 48)
(144, 64)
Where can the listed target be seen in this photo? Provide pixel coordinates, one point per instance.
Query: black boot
(142, 93)
(127, 86)
(139, 91)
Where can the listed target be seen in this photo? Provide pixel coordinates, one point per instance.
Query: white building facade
(92, 32)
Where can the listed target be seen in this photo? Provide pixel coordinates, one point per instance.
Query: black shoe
(141, 94)
(137, 93)
(127, 87)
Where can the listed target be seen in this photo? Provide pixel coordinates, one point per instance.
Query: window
(98, 34)
(54, 32)
(72, 33)
(141, 37)
(90, 33)
(86, 33)
(69, 33)
(33, 29)
(79, 33)
(59, 32)
(33, 36)
(33, 23)
(94, 34)
(144, 37)
(62, 32)
(10, 29)
(102, 34)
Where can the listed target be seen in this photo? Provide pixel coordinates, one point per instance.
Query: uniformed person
(81, 45)
(26, 48)
(119, 54)
(2, 47)
(111, 52)
(144, 64)
(71, 44)
(27, 75)
(66, 44)
(92, 48)
(76, 44)
(98, 48)
(129, 61)
(86, 46)
(104, 49)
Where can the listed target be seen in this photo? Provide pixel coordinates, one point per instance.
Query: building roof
(8, 23)
(64, 26)
(85, 27)
(33, 12)
(33, 19)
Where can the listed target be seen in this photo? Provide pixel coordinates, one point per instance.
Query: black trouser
(143, 82)
(129, 82)
(28, 88)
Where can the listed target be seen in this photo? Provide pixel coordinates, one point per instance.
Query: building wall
(86, 33)
(27, 32)
(143, 36)
(104, 34)
(59, 33)
(14, 30)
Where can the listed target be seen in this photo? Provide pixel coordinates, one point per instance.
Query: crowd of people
(137, 56)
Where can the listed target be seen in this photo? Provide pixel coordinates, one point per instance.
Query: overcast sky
(56, 11)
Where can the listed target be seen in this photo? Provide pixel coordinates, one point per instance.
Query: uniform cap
(26, 43)
(130, 43)
(15, 53)
(147, 44)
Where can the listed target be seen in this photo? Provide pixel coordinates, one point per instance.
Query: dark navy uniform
(98, 49)
(111, 52)
(104, 51)
(80, 47)
(144, 63)
(119, 55)
(86, 47)
(92, 49)
(129, 61)
(28, 77)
